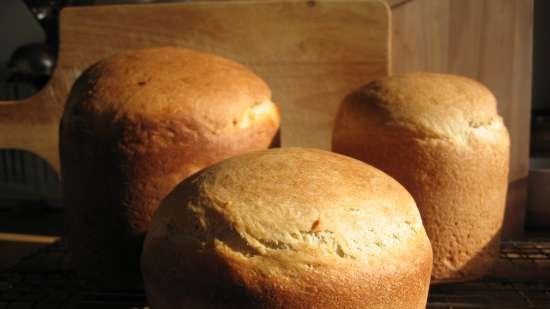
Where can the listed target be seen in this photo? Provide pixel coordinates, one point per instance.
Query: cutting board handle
(25, 123)
(326, 49)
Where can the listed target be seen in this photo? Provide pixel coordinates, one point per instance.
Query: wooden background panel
(488, 40)
(311, 53)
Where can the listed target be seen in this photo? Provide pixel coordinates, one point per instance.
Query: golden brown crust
(125, 144)
(439, 136)
(204, 90)
(430, 104)
(287, 228)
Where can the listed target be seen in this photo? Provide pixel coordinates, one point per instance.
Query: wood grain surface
(311, 53)
(488, 40)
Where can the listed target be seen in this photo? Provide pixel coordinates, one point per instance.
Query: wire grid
(491, 293)
(534, 251)
(44, 280)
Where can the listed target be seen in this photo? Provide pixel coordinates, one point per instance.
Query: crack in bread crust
(289, 228)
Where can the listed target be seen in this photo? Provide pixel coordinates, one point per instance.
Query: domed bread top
(430, 105)
(287, 228)
(293, 207)
(206, 91)
(440, 136)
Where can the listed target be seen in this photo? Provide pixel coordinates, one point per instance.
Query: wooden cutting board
(311, 53)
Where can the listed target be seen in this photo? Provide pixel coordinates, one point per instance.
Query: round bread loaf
(135, 125)
(441, 137)
(287, 228)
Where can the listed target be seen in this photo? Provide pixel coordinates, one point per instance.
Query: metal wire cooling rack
(44, 280)
(521, 280)
(533, 251)
(491, 293)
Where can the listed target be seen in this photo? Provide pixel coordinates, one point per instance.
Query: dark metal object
(44, 280)
(32, 64)
(27, 179)
(47, 14)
